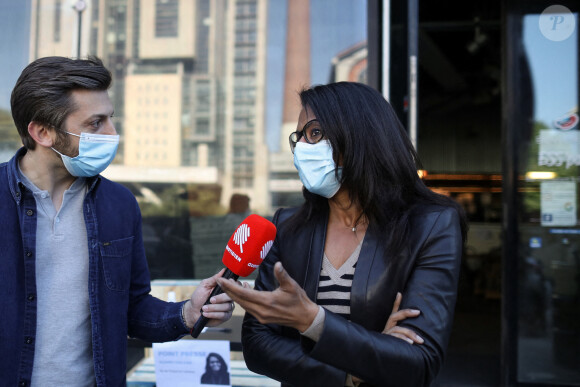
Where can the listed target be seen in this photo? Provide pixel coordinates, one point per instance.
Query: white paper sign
(558, 148)
(188, 363)
(558, 203)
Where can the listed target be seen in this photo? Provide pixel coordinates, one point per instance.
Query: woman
(369, 228)
(216, 370)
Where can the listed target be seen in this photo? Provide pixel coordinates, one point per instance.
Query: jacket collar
(15, 183)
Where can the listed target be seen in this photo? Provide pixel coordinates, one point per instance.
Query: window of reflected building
(198, 89)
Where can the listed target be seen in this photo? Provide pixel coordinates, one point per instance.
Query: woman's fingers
(405, 334)
(404, 314)
(287, 305)
(257, 303)
(286, 282)
(397, 302)
(391, 327)
(399, 315)
(240, 294)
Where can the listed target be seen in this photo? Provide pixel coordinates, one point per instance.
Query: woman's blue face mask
(96, 152)
(316, 168)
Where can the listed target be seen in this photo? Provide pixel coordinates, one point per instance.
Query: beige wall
(179, 47)
(152, 128)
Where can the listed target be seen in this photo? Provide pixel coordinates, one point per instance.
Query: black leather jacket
(426, 272)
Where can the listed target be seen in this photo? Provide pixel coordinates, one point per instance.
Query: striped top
(335, 284)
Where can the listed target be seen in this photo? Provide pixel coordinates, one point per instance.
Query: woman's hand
(391, 328)
(287, 305)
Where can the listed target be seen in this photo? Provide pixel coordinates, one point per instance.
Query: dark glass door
(457, 113)
(542, 309)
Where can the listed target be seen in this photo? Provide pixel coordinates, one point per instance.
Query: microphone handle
(202, 320)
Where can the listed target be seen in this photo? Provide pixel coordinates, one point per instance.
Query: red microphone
(245, 251)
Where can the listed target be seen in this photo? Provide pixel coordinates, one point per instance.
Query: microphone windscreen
(249, 245)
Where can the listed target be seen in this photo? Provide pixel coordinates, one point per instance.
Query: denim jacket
(119, 283)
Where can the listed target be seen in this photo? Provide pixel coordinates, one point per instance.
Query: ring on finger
(233, 306)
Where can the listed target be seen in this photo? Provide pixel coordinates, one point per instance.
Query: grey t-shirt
(63, 351)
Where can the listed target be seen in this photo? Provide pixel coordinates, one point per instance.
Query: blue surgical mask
(316, 168)
(96, 151)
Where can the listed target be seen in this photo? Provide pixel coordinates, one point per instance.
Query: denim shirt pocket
(116, 255)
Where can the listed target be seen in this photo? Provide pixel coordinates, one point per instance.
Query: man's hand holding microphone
(218, 310)
(245, 251)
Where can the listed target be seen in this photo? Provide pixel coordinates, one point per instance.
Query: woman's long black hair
(379, 163)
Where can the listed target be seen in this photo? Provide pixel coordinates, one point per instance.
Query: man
(74, 277)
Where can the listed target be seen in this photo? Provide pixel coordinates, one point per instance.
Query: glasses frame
(301, 133)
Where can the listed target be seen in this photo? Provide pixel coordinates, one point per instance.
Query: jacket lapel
(315, 254)
(362, 274)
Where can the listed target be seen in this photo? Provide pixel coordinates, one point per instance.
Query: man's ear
(41, 134)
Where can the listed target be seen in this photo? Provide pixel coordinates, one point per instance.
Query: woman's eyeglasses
(312, 133)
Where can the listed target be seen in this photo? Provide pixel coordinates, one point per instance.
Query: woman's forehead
(306, 114)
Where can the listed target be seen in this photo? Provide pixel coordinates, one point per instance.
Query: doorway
(459, 120)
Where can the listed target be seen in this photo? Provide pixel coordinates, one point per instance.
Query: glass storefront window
(198, 89)
(549, 259)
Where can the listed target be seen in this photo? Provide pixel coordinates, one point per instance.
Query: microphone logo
(241, 236)
(265, 249)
